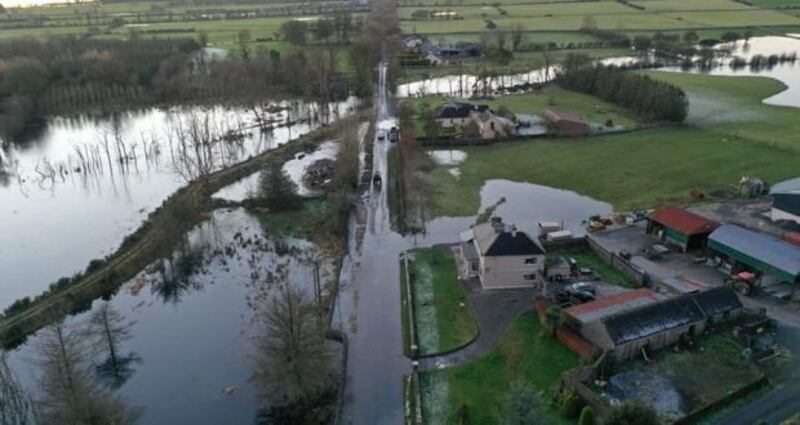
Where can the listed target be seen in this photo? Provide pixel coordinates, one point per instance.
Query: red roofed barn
(681, 228)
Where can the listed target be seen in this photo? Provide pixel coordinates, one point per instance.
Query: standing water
(73, 191)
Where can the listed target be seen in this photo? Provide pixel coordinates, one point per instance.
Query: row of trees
(652, 99)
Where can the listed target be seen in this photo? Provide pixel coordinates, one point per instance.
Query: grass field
(481, 385)
(557, 16)
(730, 133)
(587, 258)
(442, 316)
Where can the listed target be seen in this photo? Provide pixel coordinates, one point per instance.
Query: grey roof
(653, 319)
(764, 248)
(787, 201)
(717, 300)
(498, 240)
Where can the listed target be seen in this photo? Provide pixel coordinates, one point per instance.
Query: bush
(587, 416)
(570, 406)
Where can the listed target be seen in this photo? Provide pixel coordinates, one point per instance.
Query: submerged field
(729, 133)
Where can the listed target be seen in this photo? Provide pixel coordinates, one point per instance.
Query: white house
(501, 256)
(786, 206)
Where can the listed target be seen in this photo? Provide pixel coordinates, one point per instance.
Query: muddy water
(67, 218)
(193, 338)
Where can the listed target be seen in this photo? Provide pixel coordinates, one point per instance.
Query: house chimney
(513, 230)
(497, 224)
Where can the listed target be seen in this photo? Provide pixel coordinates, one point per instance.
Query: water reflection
(195, 353)
(787, 72)
(76, 190)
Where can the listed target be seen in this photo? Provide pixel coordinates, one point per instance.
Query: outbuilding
(681, 228)
(565, 124)
(786, 206)
(624, 325)
(745, 250)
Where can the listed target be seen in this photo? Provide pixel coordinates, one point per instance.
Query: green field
(587, 258)
(557, 16)
(730, 133)
(443, 319)
(481, 384)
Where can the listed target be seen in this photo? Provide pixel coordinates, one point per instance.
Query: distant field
(553, 17)
(730, 133)
(686, 5)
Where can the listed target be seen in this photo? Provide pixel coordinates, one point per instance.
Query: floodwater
(788, 72)
(527, 204)
(192, 335)
(463, 86)
(295, 168)
(63, 211)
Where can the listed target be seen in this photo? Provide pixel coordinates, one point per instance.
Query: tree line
(650, 98)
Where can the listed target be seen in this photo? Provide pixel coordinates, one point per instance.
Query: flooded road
(73, 191)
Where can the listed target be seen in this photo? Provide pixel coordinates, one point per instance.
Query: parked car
(381, 136)
(394, 135)
(377, 182)
(581, 287)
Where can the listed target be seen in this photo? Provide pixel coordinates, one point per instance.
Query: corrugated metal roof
(717, 300)
(614, 304)
(683, 221)
(653, 319)
(764, 248)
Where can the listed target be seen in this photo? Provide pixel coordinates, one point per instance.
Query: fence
(618, 262)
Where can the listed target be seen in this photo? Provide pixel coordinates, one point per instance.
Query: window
(530, 276)
(531, 260)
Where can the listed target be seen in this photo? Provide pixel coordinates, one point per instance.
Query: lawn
(605, 271)
(687, 5)
(481, 384)
(730, 133)
(443, 319)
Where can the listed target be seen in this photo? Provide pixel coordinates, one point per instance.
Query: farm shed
(786, 206)
(565, 124)
(772, 258)
(680, 286)
(624, 324)
(681, 228)
(506, 257)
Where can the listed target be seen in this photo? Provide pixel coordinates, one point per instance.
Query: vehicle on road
(377, 182)
(381, 136)
(394, 135)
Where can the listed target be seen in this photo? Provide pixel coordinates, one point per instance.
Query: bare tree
(16, 406)
(294, 360)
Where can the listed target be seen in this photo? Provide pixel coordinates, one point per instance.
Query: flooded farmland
(193, 323)
(72, 191)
